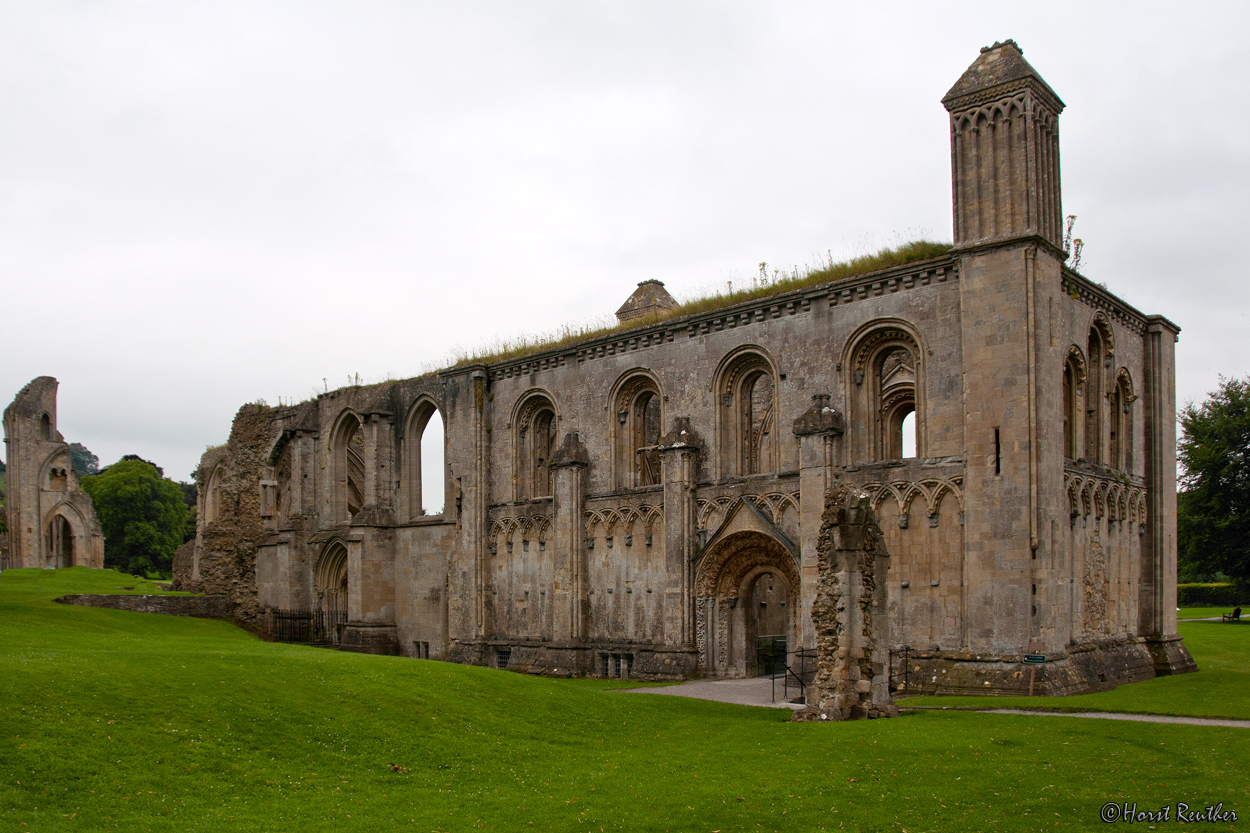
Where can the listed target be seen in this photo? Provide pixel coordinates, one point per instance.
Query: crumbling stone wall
(849, 614)
(224, 556)
(202, 607)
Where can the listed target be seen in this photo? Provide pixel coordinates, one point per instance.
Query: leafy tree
(84, 461)
(1213, 517)
(190, 494)
(143, 516)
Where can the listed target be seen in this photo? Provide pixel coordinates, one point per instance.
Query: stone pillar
(568, 592)
(679, 450)
(852, 626)
(1157, 602)
(817, 430)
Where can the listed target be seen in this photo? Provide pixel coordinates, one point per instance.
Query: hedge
(1208, 595)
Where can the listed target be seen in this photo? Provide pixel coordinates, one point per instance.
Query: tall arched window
(535, 440)
(1073, 396)
(426, 477)
(212, 496)
(637, 430)
(747, 388)
(349, 468)
(1101, 354)
(45, 427)
(1121, 416)
(883, 397)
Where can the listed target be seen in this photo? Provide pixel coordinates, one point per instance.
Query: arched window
(1101, 354)
(1073, 396)
(212, 496)
(747, 389)
(638, 428)
(349, 468)
(45, 427)
(885, 417)
(535, 440)
(426, 476)
(1121, 419)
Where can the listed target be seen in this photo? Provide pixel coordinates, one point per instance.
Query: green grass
(110, 719)
(886, 258)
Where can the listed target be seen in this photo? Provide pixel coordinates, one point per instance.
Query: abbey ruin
(647, 503)
(51, 520)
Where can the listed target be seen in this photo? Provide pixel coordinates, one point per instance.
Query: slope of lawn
(1220, 688)
(132, 721)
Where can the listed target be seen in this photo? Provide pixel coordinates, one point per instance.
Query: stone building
(647, 502)
(52, 522)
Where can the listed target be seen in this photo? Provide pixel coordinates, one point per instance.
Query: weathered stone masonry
(648, 503)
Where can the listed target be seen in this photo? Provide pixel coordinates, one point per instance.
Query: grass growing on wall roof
(118, 720)
(886, 258)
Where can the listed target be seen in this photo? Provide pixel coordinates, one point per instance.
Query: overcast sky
(203, 204)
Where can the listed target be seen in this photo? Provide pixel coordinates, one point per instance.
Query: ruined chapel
(647, 502)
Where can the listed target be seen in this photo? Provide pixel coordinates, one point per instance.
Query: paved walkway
(757, 691)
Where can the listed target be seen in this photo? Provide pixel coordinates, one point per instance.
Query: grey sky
(207, 203)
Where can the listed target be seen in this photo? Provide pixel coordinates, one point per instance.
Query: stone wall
(849, 614)
(223, 559)
(203, 607)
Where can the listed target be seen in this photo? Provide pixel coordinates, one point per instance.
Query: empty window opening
(618, 666)
(432, 466)
(421, 650)
(998, 452)
(45, 427)
(757, 422)
(909, 435)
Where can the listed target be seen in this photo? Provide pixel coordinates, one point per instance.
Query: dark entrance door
(772, 620)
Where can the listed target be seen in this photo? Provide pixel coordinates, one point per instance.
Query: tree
(84, 461)
(1213, 517)
(142, 515)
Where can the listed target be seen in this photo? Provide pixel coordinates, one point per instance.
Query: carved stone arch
(66, 537)
(330, 579)
(746, 402)
(636, 408)
(535, 433)
(594, 519)
(724, 583)
(1076, 358)
(884, 382)
(423, 409)
(212, 494)
(1074, 501)
(1102, 324)
(1074, 376)
(54, 474)
(951, 487)
(1087, 498)
(347, 449)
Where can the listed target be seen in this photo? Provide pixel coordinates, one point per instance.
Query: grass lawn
(111, 719)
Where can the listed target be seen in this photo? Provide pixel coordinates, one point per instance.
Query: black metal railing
(303, 625)
(900, 668)
(796, 670)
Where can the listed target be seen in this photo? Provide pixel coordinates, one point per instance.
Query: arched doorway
(746, 618)
(60, 543)
(331, 593)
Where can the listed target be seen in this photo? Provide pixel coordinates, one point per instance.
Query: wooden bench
(1235, 616)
